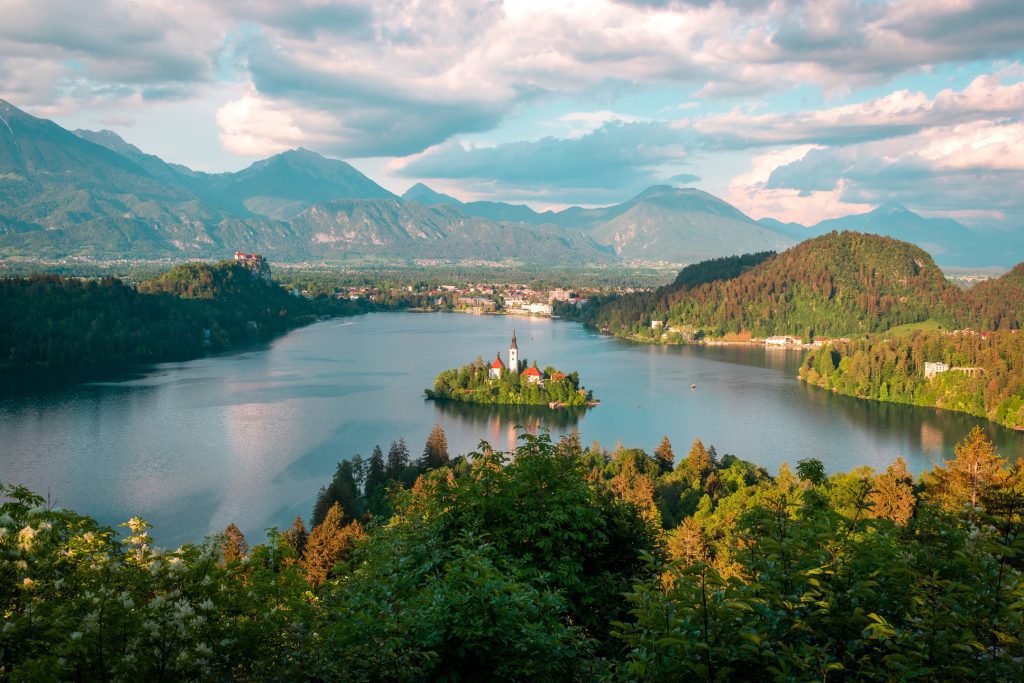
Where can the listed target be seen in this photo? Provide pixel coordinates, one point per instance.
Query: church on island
(513, 384)
(498, 366)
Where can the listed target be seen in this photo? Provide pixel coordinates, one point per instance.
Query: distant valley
(92, 194)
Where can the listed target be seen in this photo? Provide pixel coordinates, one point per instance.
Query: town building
(254, 262)
(783, 341)
(932, 369)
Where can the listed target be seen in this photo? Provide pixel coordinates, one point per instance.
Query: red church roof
(531, 372)
(557, 376)
(497, 363)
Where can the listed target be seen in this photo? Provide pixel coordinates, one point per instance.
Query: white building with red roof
(497, 367)
(532, 374)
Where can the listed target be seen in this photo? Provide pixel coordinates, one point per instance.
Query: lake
(250, 438)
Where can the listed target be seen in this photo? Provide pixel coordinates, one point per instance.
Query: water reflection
(501, 424)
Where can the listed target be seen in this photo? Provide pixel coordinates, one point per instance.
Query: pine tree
(665, 455)
(398, 459)
(698, 459)
(636, 488)
(435, 453)
(688, 543)
(359, 470)
(295, 537)
(328, 544)
(233, 548)
(893, 495)
(342, 489)
(964, 479)
(376, 474)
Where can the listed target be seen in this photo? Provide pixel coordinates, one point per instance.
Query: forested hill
(54, 323)
(998, 304)
(838, 284)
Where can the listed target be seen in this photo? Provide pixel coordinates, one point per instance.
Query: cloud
(897, 114)
(87, 50)
(401, 76)
(607, 163)
(959, 170)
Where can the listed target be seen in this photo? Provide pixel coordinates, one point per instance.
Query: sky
(800, 110)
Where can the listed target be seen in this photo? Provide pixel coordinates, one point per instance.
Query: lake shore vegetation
(555, 562)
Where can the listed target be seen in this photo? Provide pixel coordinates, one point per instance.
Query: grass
(906, 330)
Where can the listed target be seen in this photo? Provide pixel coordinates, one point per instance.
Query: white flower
(21, 564)
(25, 537)
(3, 531)
(185, 610)
(45, 526)
(76, 635)
(203, 650)
(136, 525)
(27, 582)
(206, 604)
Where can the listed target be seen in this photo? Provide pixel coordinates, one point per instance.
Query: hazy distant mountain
(409, 229)
(428, 197)
(679, 225)
(94, 194)
(152, 164)
(949, 242)
(495, 211)
(794, 231)
(61, 194)
(662, 223)
(286, 184)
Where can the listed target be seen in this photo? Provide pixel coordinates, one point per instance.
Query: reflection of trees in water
(500, 421)
(937, 431)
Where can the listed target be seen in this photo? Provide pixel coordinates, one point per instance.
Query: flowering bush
(80, 603)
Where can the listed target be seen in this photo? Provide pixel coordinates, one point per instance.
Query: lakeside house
(783, 340)
(932, 369)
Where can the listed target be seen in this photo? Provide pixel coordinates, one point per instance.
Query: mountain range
(90, 193)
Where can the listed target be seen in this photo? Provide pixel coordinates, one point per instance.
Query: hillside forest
(63, 323)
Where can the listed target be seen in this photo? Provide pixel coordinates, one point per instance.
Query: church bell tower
(513, 355)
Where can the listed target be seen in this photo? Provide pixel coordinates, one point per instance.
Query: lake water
(250, 438)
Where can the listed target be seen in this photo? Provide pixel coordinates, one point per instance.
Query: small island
(514, 384)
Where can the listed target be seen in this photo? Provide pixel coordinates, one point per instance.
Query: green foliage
(543, 564)
(79, 603)
(56, 323)
(473, 384)
(837, 284)
(987, 379)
